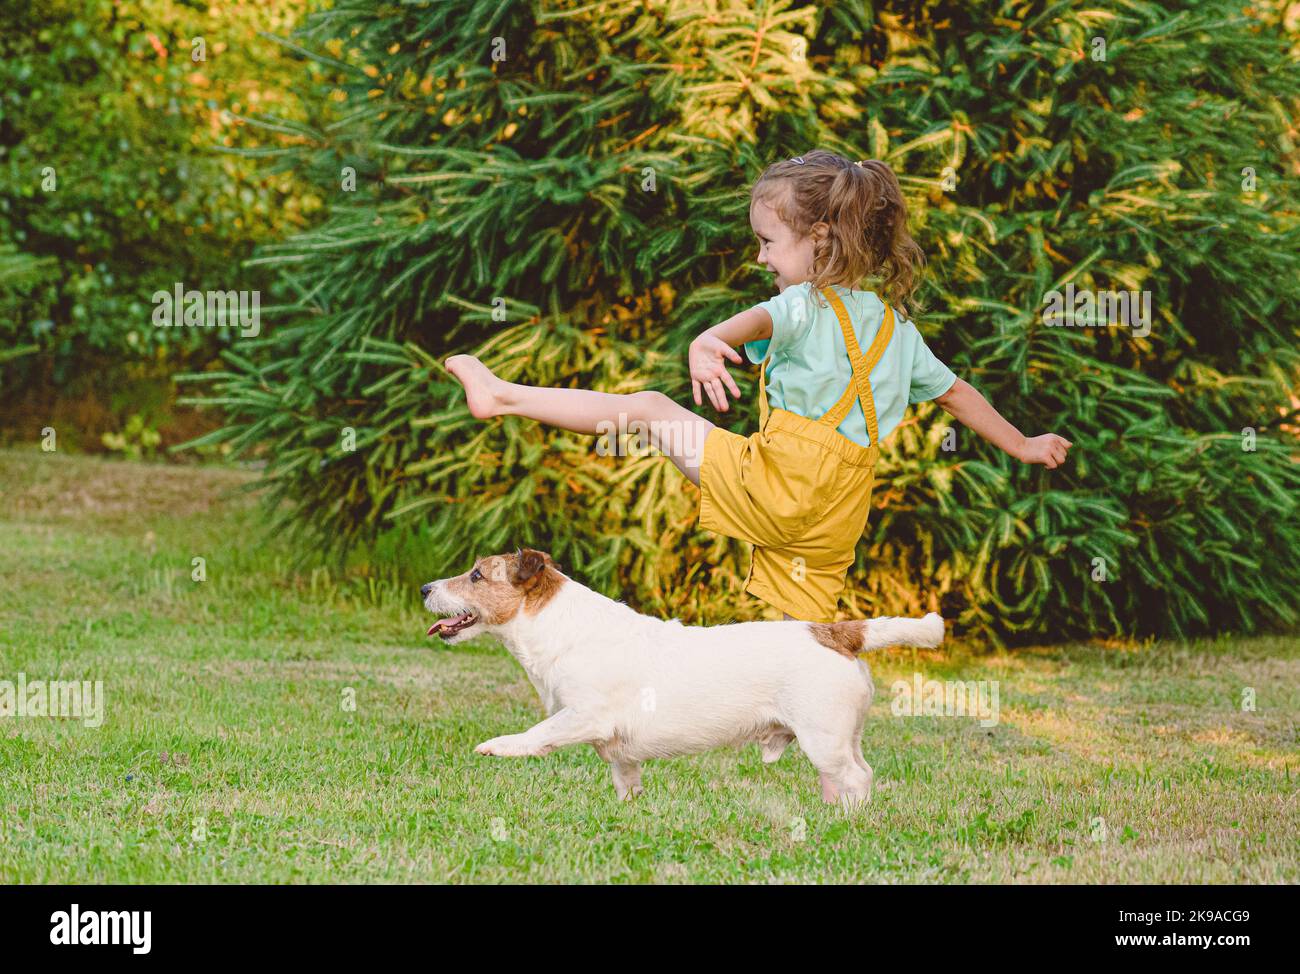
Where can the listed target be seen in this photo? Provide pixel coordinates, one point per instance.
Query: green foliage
(136, 440)
(110, 185)
(576, 212)
(18, 274)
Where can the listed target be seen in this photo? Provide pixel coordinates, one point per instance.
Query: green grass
(239, 679)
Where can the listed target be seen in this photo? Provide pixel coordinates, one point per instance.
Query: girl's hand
(1048, 449)
(708, 368)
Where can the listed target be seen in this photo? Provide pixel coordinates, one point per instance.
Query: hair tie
(798, 159)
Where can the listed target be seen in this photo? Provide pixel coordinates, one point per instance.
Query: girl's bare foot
(482, 388)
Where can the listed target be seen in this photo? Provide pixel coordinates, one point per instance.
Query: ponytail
(863, 206)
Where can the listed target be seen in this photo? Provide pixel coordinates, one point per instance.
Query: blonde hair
(863, 206)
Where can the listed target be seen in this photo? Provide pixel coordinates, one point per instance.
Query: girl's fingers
(732, 354)
(713, 395)
(731, 384)
(722, 395)
(695, 388)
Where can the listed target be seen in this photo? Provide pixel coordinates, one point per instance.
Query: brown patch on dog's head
(538, 577)
(845, 638)
(498, 586)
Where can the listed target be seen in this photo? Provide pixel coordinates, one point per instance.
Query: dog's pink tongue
(435, 627)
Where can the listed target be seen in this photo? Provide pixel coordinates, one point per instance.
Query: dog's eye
(475, 575)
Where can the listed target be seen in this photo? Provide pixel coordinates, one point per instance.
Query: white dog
(635, 688)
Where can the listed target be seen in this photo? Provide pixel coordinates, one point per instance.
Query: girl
(799, 489)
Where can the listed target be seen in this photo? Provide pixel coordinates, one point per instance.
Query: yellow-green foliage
(114, 182)
(564, 191)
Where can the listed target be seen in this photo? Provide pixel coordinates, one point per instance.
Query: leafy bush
(112, 185)
(563, 190)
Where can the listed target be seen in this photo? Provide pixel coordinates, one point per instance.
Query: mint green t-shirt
(810, 369)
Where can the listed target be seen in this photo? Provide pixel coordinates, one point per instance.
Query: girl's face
(783, 253)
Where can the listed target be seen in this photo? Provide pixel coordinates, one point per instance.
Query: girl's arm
(751, 325)
(964, 403)
(709, 352)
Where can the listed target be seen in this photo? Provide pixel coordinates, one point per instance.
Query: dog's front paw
(510, 746)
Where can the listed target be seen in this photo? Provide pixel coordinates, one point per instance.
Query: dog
(635, 687)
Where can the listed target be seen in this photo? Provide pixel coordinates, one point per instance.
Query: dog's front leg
(565, 727)
(627, 778)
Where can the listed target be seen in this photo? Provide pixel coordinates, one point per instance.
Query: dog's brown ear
(529, 563)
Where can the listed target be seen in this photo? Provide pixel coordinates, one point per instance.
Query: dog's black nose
(424, 589)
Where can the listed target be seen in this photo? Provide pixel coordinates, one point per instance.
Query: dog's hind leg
(835, 756)
(866, 781)
(774, 743)
(857, 745)
(856, 787)
(829, 792)
(856, 783)
(627, 778)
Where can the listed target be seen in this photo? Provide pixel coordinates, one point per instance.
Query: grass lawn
(227, 753)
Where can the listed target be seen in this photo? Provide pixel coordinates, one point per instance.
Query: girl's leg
(673, 430)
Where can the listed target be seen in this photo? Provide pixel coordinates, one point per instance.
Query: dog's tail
(925, 633)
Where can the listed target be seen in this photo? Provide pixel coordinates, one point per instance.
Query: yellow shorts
(798, 491)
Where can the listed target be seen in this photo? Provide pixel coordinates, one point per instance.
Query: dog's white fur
(635, 687)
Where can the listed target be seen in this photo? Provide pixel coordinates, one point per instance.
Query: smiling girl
(798, 489)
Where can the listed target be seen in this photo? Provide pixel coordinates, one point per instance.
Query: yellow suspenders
(859, 387)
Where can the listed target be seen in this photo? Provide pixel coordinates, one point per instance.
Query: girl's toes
(479, 382)
(457, 365)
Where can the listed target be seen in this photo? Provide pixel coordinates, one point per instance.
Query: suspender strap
(862, 366)
(859, 387)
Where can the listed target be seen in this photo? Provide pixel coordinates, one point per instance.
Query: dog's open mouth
(446, 628)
